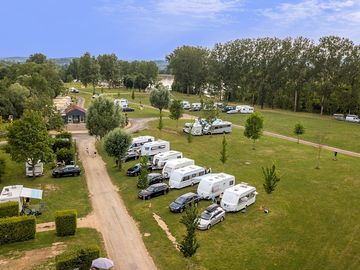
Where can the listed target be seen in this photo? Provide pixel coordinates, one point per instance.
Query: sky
(152, 29)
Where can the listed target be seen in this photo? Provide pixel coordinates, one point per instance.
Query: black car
(131, 156)
(153, 191)
(154, 178)
(183, 201)
(135, 170)
(128, 109)
(68, 170)
(228, 108)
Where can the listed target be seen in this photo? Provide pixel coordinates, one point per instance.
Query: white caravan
(195, 128)
(174, 164)
(186, 176)
(214, 184)
(161, 159)
(20, 194)
(138, 142)
(152, 148)
(244, 109)
(196, 106)
(122, 102)
(238, 197)
(185, 104)
(352, 118)
(39, 169)
(218, 127)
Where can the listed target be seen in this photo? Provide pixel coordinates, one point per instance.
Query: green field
(313, 219)
(59, 193)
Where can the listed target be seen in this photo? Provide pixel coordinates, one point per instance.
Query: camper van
(122, 103)
(185, 105)
(195, 128)
(39, 169)
(155, 147)
(20, 194)
(195, 107)
(186, 176)
(138, 142)
(174, 164)
(238, 197)
(159, 160)
(214, 184)
(352, 118)
(244, 109)
(218, 127)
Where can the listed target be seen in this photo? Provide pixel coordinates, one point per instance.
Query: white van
(186, 176)
(195, 107)
(218, 127)
(159, 160)
(155, 147)
(214, 184)
(196, 128)
(238, 197)
(244, 109)
(352, 118)
(122, 102)
(185, 104)
(174, 164)
(39, 169)
(138, 142)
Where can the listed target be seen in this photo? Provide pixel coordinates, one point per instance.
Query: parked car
(68, 170)
(153, 191)
(183, 201)
(154, 178)
(133, 155)
(135, 170)
(228, 108)
(73, 90)
(211, 216)
(128, 109)
(232, 111)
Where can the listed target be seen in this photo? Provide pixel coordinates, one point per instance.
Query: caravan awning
(31, 193)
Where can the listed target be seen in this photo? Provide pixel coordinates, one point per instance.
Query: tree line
(296, 74)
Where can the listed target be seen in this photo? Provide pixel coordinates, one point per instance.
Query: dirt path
(138, 124)
(121, 235)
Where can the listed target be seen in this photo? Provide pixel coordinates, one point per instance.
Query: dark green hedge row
(65, 222)
(9, 209)
(17, 229)
(77, 259)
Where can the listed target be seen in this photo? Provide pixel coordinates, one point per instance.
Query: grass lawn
(313, 221)
(59, 193)
(83, 237)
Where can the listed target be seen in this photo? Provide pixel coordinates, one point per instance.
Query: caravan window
(194, 175)
(231, 182)
(185, 178)
(147, 148)
(201, 173)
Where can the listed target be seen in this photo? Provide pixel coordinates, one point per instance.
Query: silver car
(212, 215)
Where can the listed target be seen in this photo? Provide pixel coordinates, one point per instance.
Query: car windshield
(205, 215)
(180, 200)
(150, 189)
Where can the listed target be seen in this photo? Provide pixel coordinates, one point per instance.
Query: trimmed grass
(313, 219)
(59, 193)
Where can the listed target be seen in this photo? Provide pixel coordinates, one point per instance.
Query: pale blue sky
(151, 29)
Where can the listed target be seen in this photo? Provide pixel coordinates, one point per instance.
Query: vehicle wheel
(181, 210)
(192, 183)
(208, 227)
(222, 219)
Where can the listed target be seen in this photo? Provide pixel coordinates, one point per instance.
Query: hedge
(66, 155)
(65, 222)
(9, 209)
(17, 229)
(77, 259)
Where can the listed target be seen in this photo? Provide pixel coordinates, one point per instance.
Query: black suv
(135, 170)
(154, 178)
(228, 108)
(183, 201)
(68, 170)
(133, 155)
(153, 191)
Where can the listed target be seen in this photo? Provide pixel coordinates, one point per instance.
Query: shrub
(61, 143)
(64, 135)
(65, 222)
(66, 155)
(77, 259)
(9, 209)
(17, 229)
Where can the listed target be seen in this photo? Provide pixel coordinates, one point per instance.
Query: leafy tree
(89, 70)
(189, 136)
(223, 152)
(176, 110)
(2, 168)
(143, 182)
(254, 126)
(37, 58)
(65, 154)
(109, 68)
(299, 130)
(160, 98)
(29, 140)
(271, 178)
(133, 94)
(116, 144)
(210, 112)
(189, 244)
(103, 116)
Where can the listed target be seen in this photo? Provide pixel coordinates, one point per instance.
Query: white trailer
(238, 197)
(152, 148)
(174, 164)
(122, 103)
(195, 106)
(244, 109)
(217, 127)
(20, 194)
(352, 118)
(186, 104)
(195, 128)
(214, 184)
(138, 142)
(161, 159)
(39, 169)
(186, 176)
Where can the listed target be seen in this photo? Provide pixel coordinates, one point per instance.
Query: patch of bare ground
(165, 228)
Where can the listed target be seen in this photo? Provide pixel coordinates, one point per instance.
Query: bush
(9, 209)
(64, 135)
(61, 143)
(65, 222)
(77, 259)
(17, 229)
(66, 155)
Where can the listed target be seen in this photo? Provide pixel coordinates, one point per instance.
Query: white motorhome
(244, 109)
(214, 184)
(122, 102)
(186, 176)
(185, 104)
(152, 148)
(20, 194)
(195, 128)
(161, 159)
(39, 169)
(352, 118)
(218, 127)
(174, 164)
(238, 197)
(195, 107)
(138, 142)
